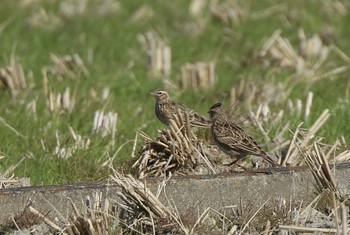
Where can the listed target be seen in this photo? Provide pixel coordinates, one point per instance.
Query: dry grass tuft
(73, 9)
(70, 66)
(290, 149)
(27, 3)
(335, 8)
(67, 66)
(105, 124)
(197, 7)
(31, 221)
(301, 141)
(318, 163)
(23, 220)
(248, 93)
(158, 54)
(330, 200)
(141, 210)
(173, 150)
(97, 218)
(59, 103)
(228, 12)
(13, 182)
(67, 150)
(142, 14)
(309, 61)
(8, 179)
(265, 218)
(200, 75)
(13, 78)
(44, 20)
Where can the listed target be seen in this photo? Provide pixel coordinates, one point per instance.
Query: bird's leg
(235, 162)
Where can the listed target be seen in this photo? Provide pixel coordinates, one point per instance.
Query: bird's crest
(212, 108)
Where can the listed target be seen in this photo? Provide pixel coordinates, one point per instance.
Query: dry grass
(142, 212)
(198, 76)
(277, 214)
(13, 77)
(66, 66)
(146, 214)
(97, 218)
(8, 179)
(176, 150)
(31, 220)
(309, 62)
(158, 54)
(13, 182)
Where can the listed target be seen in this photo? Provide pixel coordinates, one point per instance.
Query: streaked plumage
(232, 139)
(165, 108)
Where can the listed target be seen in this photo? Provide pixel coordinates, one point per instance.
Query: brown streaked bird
(232, 139)
(165, 108)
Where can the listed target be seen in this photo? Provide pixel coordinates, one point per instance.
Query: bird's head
(160, 95)
(215, 110)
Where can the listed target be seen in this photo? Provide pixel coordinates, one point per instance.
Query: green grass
(120, 64)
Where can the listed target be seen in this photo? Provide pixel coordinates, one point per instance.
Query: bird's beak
(152, 93)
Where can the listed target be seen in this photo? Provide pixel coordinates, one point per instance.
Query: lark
(231, 138)
(166, 108)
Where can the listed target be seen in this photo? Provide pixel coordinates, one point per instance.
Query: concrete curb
(215, 191)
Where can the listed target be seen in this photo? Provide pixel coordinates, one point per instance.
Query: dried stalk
(292, 151)
(307, 230)
(173, 150)
(45, 219)
(134, 192)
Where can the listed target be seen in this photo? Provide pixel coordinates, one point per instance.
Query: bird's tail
(270, 159)
(199, 121)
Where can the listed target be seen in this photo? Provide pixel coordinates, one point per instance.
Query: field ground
(114, 75)
(76, 76)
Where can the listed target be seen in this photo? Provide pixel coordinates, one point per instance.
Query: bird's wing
(235, 137)
(195, 118)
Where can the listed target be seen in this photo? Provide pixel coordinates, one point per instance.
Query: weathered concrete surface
(214, 191)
